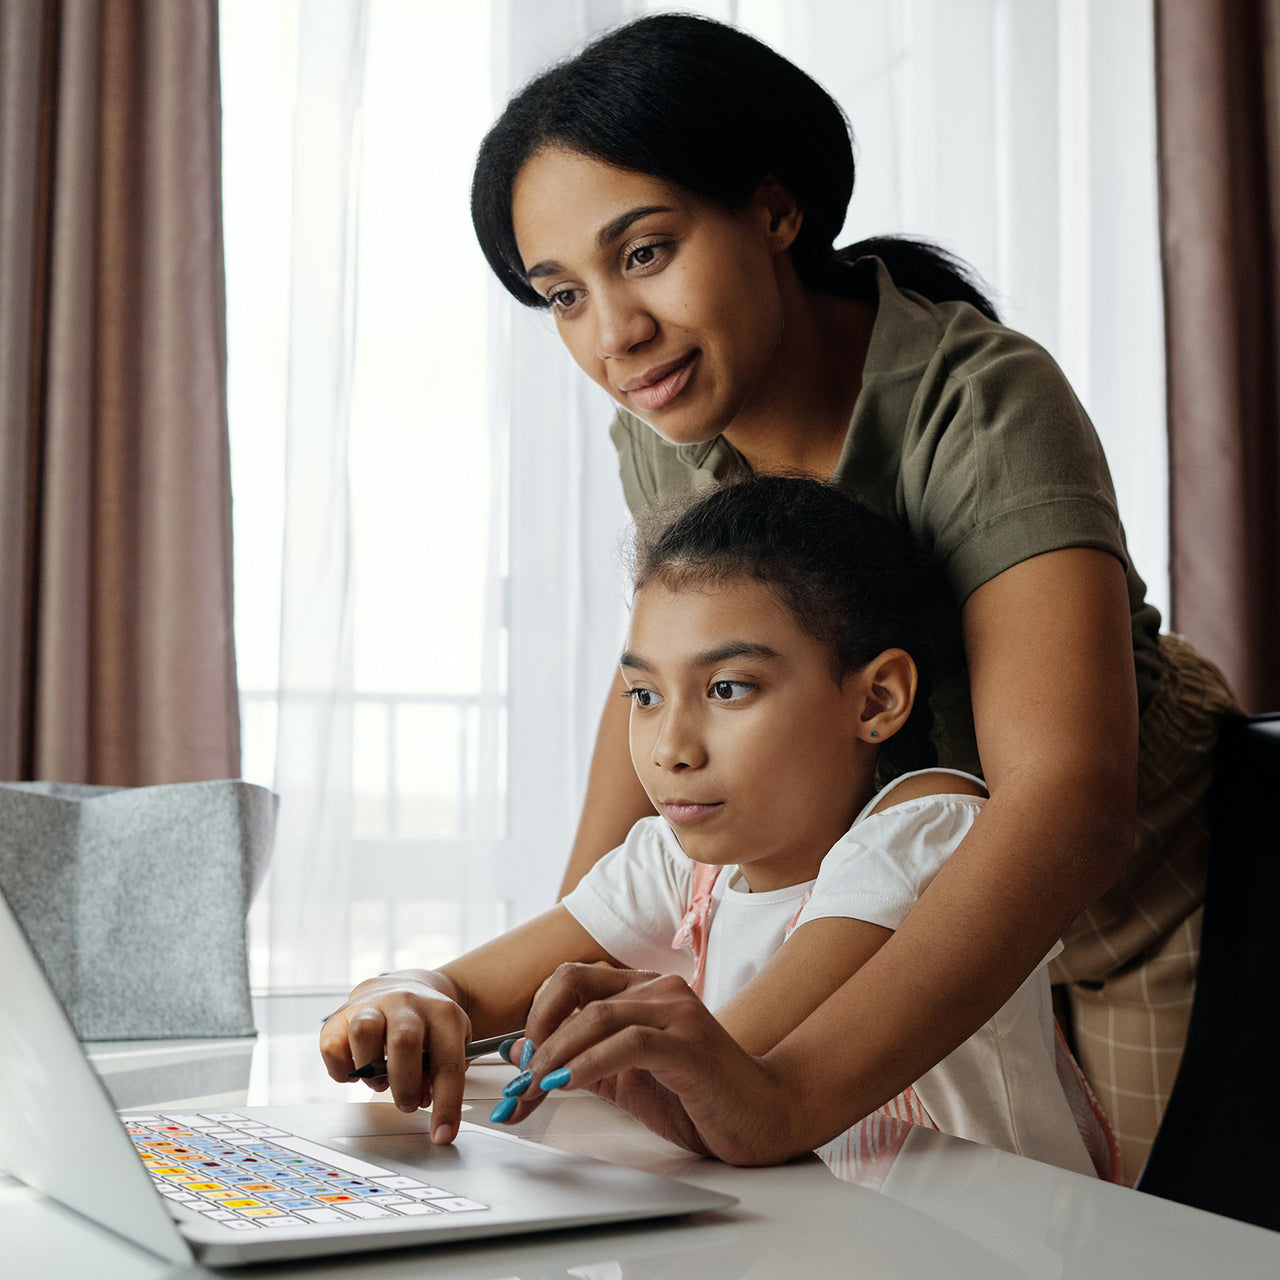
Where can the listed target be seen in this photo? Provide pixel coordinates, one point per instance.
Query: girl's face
(740, 735)
(669, 301)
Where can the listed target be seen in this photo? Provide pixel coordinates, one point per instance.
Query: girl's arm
(399, 1016)
(1055, 706)
(615, 800)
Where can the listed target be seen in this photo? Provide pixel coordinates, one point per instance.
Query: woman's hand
(649, 1045)
(399, 1017)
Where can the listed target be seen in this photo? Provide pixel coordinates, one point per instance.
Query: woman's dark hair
(847, 576)
(710, 109)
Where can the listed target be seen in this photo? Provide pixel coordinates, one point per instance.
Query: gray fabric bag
(135, 900)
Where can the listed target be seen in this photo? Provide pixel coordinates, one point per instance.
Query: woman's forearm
(615, 800)
(959, 955)
(1055, 707)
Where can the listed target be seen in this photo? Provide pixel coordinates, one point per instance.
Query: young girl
(777, 673)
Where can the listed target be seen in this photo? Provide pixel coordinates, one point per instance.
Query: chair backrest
(1218, 1147)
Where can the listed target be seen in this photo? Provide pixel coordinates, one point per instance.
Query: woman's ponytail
(918, 266)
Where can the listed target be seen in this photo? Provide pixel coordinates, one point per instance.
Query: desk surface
(947, 1208)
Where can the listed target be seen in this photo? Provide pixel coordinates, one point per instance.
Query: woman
(672, 194)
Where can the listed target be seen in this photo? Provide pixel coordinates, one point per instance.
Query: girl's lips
(684, 812)
(654, 395)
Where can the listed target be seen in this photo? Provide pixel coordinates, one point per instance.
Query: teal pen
(476, 1049)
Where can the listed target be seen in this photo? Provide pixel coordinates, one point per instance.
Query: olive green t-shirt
(969, 435)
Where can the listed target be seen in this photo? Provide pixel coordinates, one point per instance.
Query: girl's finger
(447, 1061)
(366, 1034)
(405, 1037)
(335, 1047)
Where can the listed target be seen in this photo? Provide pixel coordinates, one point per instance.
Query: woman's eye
(644, 255)
(644, 697)
(563, 299)
(730, 690)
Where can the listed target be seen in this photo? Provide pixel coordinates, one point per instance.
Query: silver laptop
(257, 1184)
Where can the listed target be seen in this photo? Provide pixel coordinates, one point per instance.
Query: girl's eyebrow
(734, 649)
(634, 662)
(708, 657)
(607, 234)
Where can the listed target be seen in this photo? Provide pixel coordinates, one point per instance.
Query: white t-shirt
(1000, 1087)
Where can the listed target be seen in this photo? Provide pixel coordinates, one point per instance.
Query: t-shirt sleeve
(635, 462)
(1006, 464)
(881, 867)
(633, 900)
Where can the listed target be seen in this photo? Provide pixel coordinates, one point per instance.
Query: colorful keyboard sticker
(242, 1174)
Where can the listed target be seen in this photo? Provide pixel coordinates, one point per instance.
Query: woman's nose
(621, 325)
(679, 745)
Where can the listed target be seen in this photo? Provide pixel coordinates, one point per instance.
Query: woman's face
(671, 302)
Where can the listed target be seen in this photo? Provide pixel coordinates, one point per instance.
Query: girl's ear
(785, 216)
(888, 691)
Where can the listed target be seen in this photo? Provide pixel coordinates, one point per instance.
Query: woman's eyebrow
(607, 234)
(611, 231)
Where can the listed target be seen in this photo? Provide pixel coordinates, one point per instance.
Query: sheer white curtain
(427, 505)
(1020, 134)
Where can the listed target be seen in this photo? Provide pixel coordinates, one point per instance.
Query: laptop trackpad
(499, 1172)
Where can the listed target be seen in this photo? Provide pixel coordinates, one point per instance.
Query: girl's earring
(873, 733)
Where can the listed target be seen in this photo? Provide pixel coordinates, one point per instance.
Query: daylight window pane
(370, 949)
(371, 771)
(428, 934)
(428, 768)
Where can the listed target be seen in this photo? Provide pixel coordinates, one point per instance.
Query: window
(434, 477)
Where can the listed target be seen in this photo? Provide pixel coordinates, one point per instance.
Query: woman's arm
(1050, 655)
(1055, 707)
(615, 800)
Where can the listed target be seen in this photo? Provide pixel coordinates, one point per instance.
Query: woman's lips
(683, 812)
(659, 387)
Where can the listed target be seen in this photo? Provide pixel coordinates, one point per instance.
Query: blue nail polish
(503, 1111)
(555, 1079)
(504, 1049)
(526, 1054)
(517, 1086)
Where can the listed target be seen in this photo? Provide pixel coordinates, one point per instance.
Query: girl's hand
(649, 1045)
(399, 1016)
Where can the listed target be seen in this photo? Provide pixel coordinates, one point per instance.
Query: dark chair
(1218, 1147)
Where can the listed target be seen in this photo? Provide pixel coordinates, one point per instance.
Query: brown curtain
(116, 656)
(1217, 69)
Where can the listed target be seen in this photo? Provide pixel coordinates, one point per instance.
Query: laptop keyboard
(248, 1176)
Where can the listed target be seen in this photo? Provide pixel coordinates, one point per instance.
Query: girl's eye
(730, 690)
(644, 697)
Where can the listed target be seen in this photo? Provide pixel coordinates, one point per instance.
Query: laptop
(243, 1185)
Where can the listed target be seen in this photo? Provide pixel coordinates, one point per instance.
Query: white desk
(948, 1209)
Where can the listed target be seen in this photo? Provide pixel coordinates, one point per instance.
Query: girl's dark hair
(710, 109)
(847, 576)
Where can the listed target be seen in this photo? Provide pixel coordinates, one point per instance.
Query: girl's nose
(621, 325)
(679, 745)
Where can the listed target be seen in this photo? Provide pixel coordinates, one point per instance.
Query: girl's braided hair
(848, 577)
